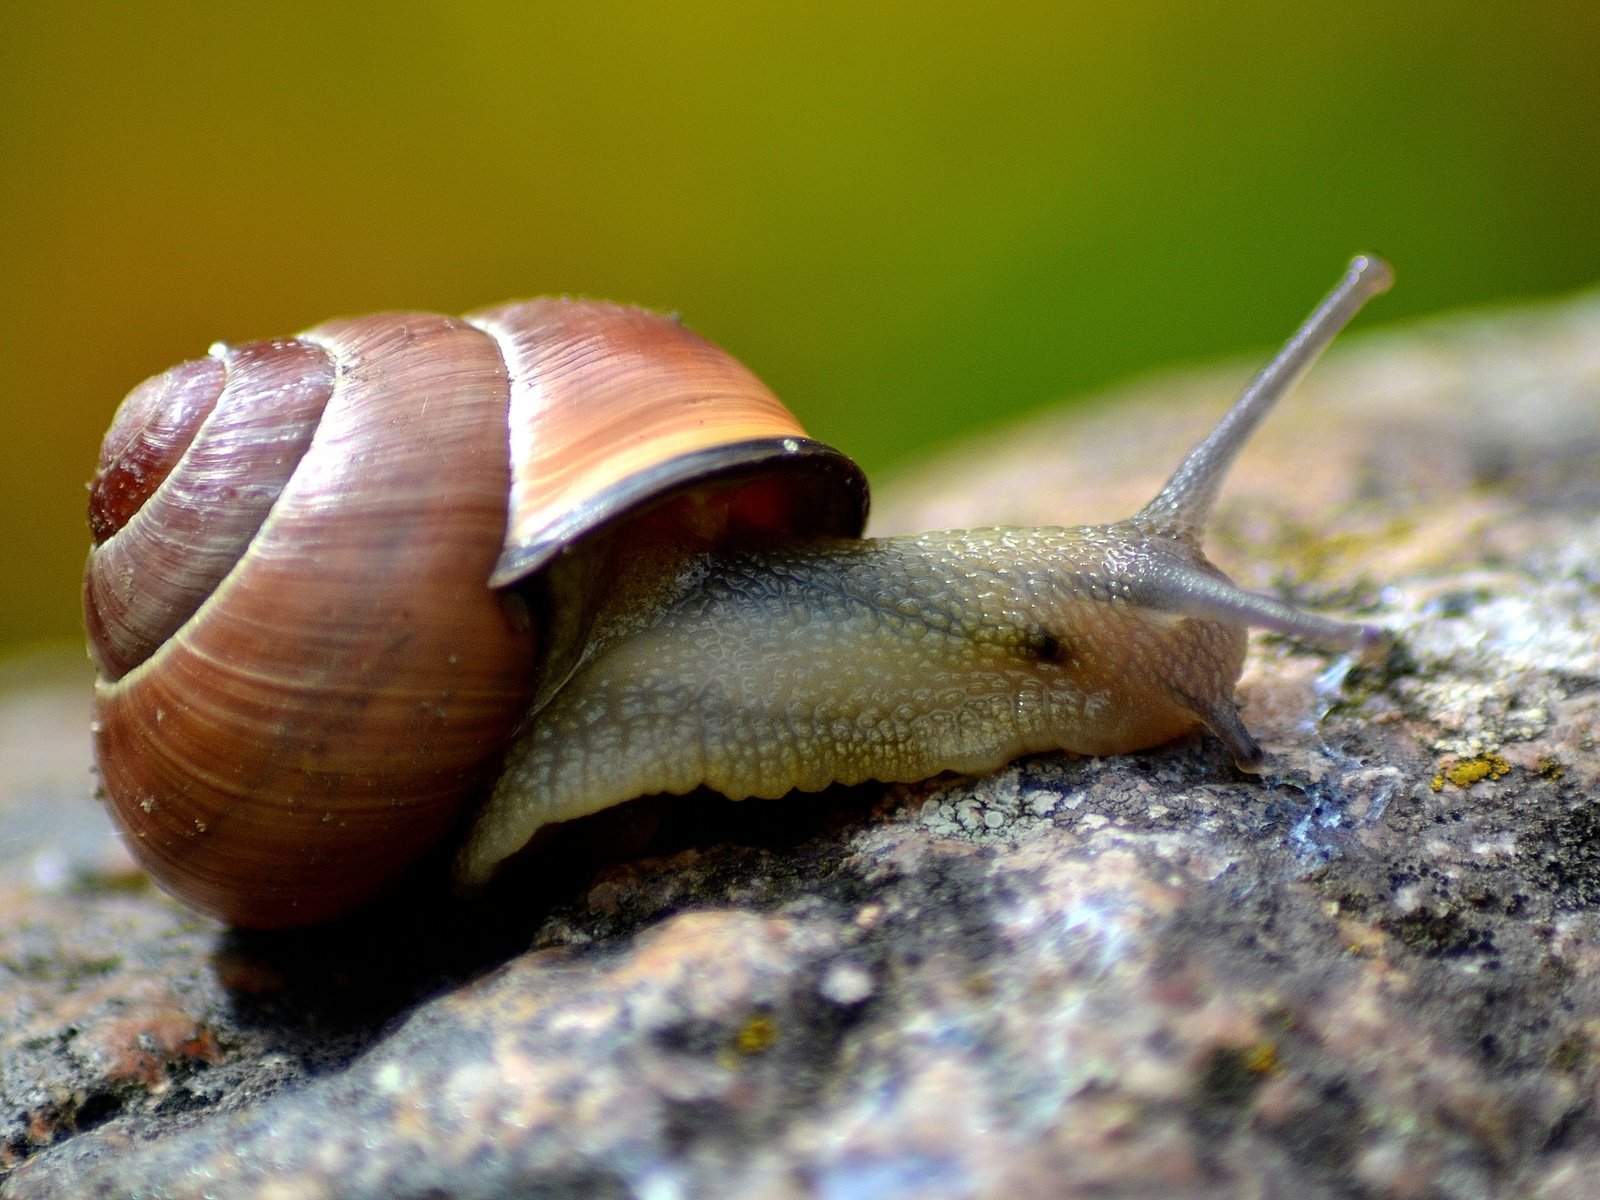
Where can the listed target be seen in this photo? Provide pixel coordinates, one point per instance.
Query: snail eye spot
(1040, 645)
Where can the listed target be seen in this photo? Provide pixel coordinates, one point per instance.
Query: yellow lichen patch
(756, 1036)
(1321, 554)
(1262, 1059)
(1472, 770)
(1551, 768)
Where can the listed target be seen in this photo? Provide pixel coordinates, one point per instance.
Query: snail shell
(308, 601)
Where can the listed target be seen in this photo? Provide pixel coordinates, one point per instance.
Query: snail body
(796, 667)
(641, 598)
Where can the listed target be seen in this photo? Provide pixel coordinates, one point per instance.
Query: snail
(406, 578)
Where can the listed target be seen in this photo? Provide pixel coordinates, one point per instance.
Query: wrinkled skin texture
(891, 659)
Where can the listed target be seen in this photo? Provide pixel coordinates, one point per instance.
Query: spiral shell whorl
(316, 724)
(168, 537)
(153, 427)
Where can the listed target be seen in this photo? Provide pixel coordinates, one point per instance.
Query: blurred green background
(909, 219)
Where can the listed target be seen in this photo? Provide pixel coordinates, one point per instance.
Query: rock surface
(1372, 972)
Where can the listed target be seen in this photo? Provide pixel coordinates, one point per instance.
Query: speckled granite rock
(1373, 972)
